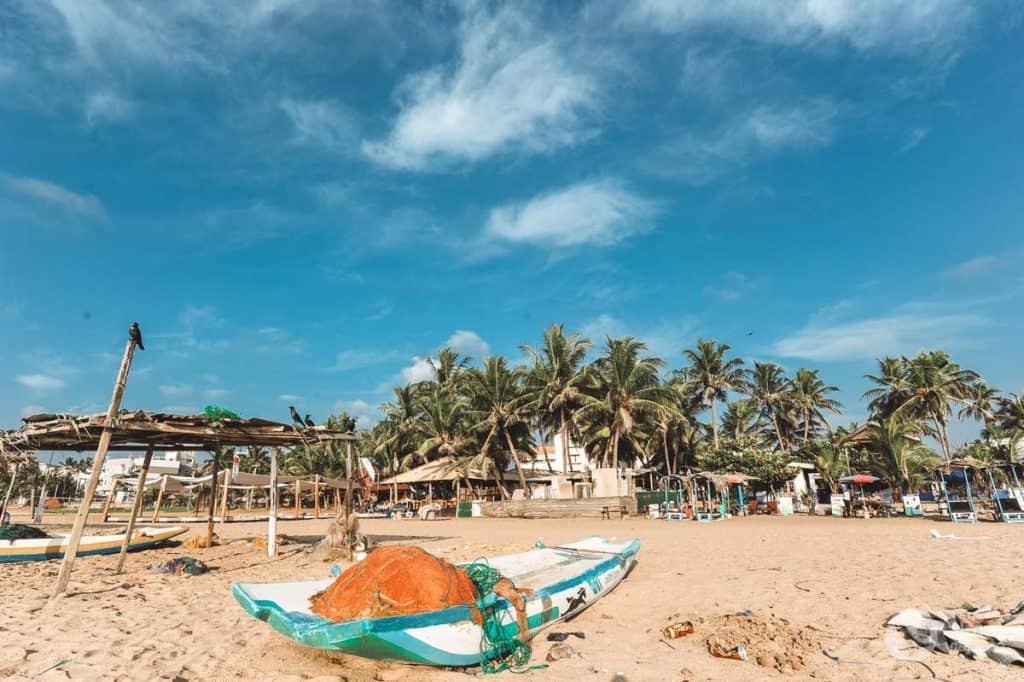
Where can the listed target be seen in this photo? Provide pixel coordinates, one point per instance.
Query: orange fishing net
(393, 581)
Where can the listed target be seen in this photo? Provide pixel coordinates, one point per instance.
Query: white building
(174, 463)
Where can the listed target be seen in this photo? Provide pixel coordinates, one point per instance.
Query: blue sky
(299, 201)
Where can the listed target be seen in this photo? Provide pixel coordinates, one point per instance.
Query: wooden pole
(298, 496)
(159, 500)
(140, 489)
(337, 501)
(348, 490)
(224, 497)
(110, 498)
(10, 488)
(316, 496)
(213, 499)
(97, 466)
(272, 516)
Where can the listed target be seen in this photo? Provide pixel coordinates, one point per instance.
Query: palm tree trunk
(615, 451)
(778, 431)
(943, 437)
(807, 426)
(566, 460)
(519, 467)
(714, 424)
(664, 442)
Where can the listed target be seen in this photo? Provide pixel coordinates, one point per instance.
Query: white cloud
(84, 205)
(731, 287)
(40, 382)
(906, 27)
(418, 371)
(898, 333)
(108, 107)
(915, 138)
(322, 123)
(600, 212)
(214, 393)
(289, 398)
(665, 339)
(176, 390)
(29, 410)
(468, 343)
(366, 414)
(972, 267)
(365, 357)
(513, 88)
(700, 157)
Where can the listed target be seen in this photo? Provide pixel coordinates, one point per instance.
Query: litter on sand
(562, 636)
(977, 633)
(184, 565)
(939, 536)
(768, 641)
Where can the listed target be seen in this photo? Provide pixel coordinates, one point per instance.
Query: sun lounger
(962, 511)
(1008, 510)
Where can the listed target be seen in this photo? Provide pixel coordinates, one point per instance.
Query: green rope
(499, 650)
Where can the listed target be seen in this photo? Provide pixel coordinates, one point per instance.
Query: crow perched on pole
(135, 334)
(296, 417)
(309, 422)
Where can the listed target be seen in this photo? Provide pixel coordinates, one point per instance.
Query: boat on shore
(53, 547)
(557, 582)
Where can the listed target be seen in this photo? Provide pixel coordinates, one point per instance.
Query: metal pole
(97, 466)
(136, 508)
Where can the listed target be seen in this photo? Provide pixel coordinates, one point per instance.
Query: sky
(301, 201)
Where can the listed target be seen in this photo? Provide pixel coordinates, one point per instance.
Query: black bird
(750, 333)
(309, 422)
(296, 417)
(135, 334)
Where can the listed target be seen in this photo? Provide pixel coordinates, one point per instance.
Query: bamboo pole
(159, 500)
(213, 499)
(97, 463)
(348, 491)
(298, 497)
(10, 489)
(224, 497)
(110, 498)
(316, 496)
(337, 501)
(136, 508)
(272, 516)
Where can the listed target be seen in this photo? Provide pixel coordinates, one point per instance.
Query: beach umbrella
(859, 479)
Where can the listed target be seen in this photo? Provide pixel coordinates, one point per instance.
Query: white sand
(842, 576)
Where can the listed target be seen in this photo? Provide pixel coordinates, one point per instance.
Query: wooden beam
(213, 500)
(140, 491)
(272, 516)
(298, 497)
(10, 487)
(316, 496)
(110, 498)
(97, 468)
(159, 499)
(224, 498)
(348, 492)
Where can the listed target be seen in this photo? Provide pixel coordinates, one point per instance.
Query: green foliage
(770, 467)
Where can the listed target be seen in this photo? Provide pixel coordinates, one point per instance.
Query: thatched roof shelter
(445, 469)
(138, 430)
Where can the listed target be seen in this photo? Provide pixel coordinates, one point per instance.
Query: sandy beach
(836, 579)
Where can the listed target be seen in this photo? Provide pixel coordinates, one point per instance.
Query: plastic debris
(977, 633)
(719, 650)
(560, 651)
(184, 565)
(562, 636)
(677, 630)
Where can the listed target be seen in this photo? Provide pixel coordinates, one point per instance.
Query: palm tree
(770, 388)
(900, 455)
(891, 389)
(1009, 417)
(555, 379)
(742, 420)
(627, 394)
(499, 406)
(400, 428)
(980, 401)
(714, 376)
(935, 383)
(809, 396)
(448, 368)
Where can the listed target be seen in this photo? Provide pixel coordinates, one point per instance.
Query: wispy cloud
(731, 287)
(599, 212)
(903, 331)
(366, 414)
(83, 205)
(887, 27)
(512, 87)
(915, 138)
(29, 410)
(322, 123)
(665, 339)
(40, 382)
(108, 107)
(176, 391)
(972, 267)
(357, 358)
(700, 157)
(289, 398)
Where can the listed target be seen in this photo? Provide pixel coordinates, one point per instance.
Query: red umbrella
(859, 479)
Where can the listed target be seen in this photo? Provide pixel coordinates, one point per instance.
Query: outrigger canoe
(565, 580)
(41, 549)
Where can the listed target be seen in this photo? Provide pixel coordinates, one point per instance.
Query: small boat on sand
(53, 547)
(564, 580)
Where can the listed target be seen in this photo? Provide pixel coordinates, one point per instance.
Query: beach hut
(956, 490)
(1007, 492)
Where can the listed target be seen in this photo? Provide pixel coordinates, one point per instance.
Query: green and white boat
(564, 579)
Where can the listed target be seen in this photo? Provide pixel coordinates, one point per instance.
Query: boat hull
(565, 581)
(44, 549)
